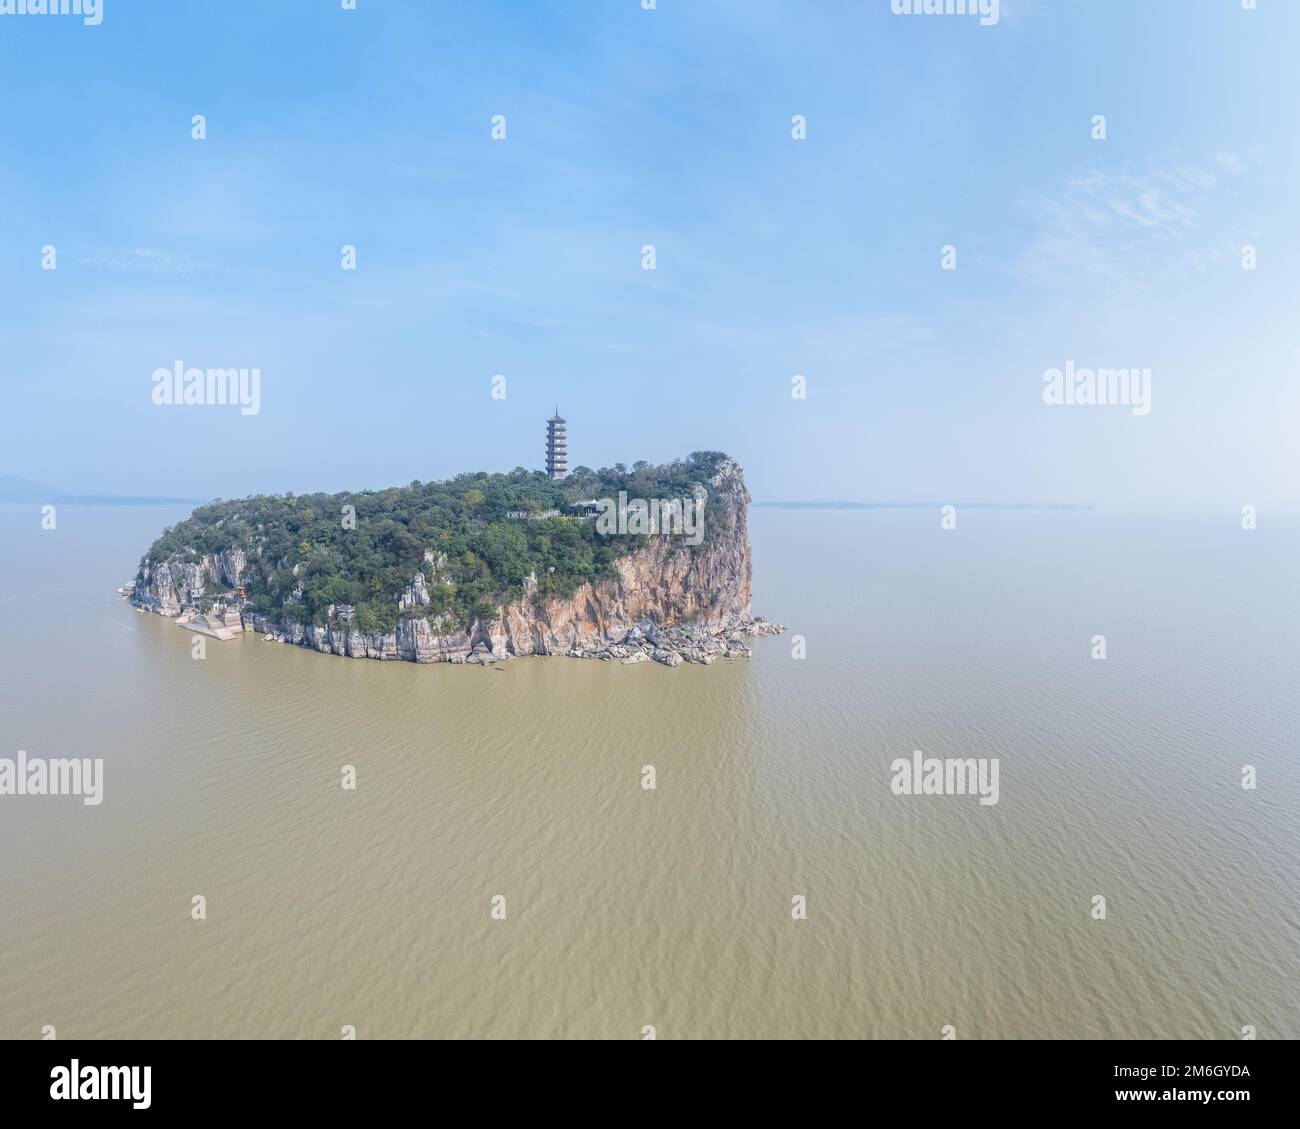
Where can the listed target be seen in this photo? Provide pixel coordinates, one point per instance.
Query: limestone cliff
(669, 601)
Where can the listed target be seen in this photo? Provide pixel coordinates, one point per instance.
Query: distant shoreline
(923, 505)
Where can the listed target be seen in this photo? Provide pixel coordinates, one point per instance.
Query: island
(621, 564)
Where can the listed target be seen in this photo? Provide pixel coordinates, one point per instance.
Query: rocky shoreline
(414, 642)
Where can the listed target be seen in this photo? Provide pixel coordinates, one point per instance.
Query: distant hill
(15, 488)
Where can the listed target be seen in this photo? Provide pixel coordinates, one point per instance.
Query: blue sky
(670, 127)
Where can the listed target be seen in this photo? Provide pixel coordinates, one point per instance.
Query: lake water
(627, 907)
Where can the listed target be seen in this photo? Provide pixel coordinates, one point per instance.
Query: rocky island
(647, 563)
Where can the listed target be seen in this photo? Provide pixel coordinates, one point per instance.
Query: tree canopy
(308, 552)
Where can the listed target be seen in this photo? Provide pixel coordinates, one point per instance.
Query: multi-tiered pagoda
(557, 459)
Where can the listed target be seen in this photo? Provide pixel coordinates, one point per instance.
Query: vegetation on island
(308, 553)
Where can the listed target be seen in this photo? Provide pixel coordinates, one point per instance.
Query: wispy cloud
(1126, 231)
(142, 259)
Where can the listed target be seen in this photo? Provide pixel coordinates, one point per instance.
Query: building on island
(557, 456)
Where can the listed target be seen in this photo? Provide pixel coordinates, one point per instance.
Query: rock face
(670, 602)
(171, 587)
